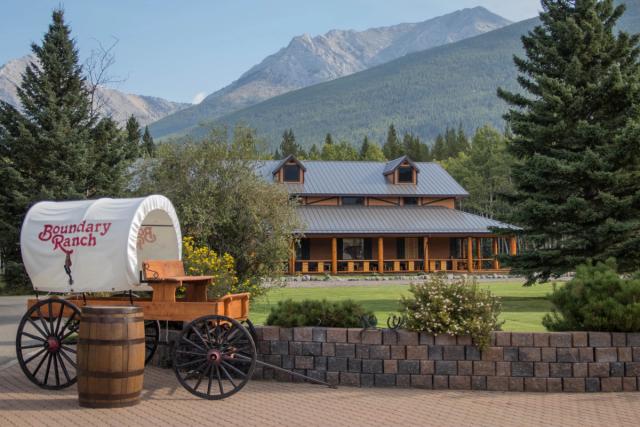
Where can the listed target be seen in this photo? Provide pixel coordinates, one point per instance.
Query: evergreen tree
(371, 151)
(314, 153)
(47, 147)
(392, 149)
(328, 139)
(462, 142)
(341, 151)
(148, 146)
(134, 135)
(576, 140)
(439, 150)
(415, 149)
(289, 146)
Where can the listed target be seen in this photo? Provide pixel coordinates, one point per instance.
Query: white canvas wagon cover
(101, 243)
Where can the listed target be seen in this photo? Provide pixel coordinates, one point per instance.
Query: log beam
(334, 256)
(380, 255)
(470, 254)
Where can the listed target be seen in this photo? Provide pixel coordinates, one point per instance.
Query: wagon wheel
(214, 357)
(46, 343)
(151, 338)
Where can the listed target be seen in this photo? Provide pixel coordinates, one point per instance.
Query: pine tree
(328, 139)
(576, 140)
(314, 153)
(371, 151)
(392, 149)
(132, 128)
(462, 142)
(439, 150)
(415, 149)
(148, 146)
(289, 146)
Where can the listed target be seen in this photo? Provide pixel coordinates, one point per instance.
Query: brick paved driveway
(281, 404)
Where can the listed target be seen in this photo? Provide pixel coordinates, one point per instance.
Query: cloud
(197, 99)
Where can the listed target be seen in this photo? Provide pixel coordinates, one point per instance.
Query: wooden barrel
(110, 356)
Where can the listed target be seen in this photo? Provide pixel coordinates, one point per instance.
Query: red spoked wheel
(46, 343)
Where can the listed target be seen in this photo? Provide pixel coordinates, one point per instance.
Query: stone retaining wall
(540, 362)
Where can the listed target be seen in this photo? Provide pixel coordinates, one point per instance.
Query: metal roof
(327, 178)
(282, 162)
(354, 220)
(392, 165)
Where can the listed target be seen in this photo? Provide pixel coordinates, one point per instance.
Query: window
(405, 174)
(352, 249)
(291, 173)
(410, 201)
(353, 201)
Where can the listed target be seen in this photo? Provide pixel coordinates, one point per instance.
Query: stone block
(625, 354)
(616, 369)
(537, 385)
(367, 380)
(302, 334)
(580, 339)
(568, 355)
(318, 375)
(349, 379)
(521, 339)
(288, 362)
(379, 352)
(548, 354)
(599, 369)
(304, 362)
(464, 340)
(407, 337)
(450, 352)
(319, 334)
(422, 381)
(440, 382)
(270, 333)
(426, 338)
(354, 335)
(264, 347)
(606, 354)
(390, 366)
(557, 370)
(273, 359)
(573, 385)
(560, 339)
(592, 385)
(618, 339)
(279, 347)
(633, 339)
(635, 354)
(485, 368)
(372, 336)
(295, 348)
(478, 383)
(529, 354)
(435, 352)
(286, 334)
(516, 384)
(586, 354)
(337, 364)
(522, 369)
(427, 367)
(493, 354)
(417, 352)
(611, 384)
(354, 365)
(599, 339)
(336, 335)
(460, 382)
(312, 349)
(472, 352)
(554, 385)
(446, 339)
(333, 378)
(345, 350)
(580, 370)
(389, 337)
(503, 339)
(328, 349)
(632, 369)
(503, 369)
(465, 367)
(541, 339)
(409, 367)
(541, 369)
(446, 367)
(398, 352)
(372, 366)
(498, 383)
(403, 380)
(629, 384)
(283, 377)
(320, 363)
(362, 351)
(510, 354)
(385, 380)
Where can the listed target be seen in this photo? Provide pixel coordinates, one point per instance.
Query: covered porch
(400, 254)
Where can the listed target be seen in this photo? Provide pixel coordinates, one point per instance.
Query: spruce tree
(148, 146)
(132, 128)
(289, 146)
(415, 149)
(576, 139)
(328, 139)
(439, 150)
(462, 142)
(314, 153)
(392, 149)
(371, 151)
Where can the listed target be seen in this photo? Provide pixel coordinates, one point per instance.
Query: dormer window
(289, 170)
(405, 174)
(401, 171)
(291, 173)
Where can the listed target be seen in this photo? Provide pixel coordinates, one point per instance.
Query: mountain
(310, 60)
(422, 92)
(118, 105)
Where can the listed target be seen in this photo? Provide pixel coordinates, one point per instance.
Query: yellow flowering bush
(203, 261)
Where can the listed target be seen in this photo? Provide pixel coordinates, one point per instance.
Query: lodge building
(393, 217)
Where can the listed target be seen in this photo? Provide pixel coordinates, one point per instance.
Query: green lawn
(522, 307)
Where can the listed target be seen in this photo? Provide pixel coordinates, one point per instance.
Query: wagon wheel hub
(214, 356)
(53, 344)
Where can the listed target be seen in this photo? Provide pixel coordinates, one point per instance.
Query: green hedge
(343, 314)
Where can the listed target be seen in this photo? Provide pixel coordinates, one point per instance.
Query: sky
(184, 50)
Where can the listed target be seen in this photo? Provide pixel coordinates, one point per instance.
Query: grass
(522, 307)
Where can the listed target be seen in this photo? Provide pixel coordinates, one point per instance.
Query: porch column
(470, 253)
(380, 255)
(494, 253)
(479, 251)
(292, 259)
(426, 254)
(334, 256)
(513, 246)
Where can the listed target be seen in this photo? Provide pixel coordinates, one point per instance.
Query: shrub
(596, 299)
(343, 314)
(458, 308)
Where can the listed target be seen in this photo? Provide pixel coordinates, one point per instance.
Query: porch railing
(395, 266)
